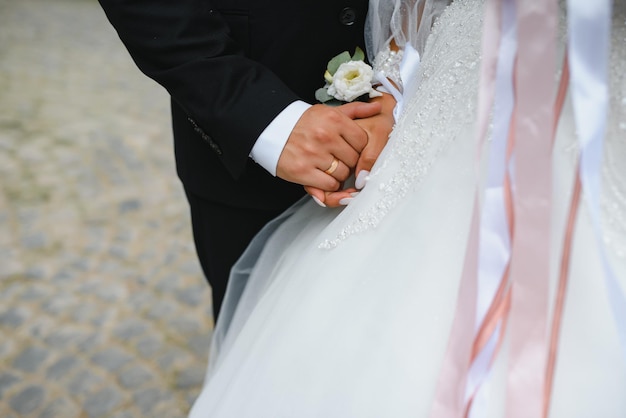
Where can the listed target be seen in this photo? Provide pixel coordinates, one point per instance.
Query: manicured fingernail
(361, 179)
(319, 202)
(354, 194)
(345, 201)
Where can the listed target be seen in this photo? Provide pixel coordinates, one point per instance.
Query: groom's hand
(322, 135)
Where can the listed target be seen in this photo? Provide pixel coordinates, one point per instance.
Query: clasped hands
(328, 144)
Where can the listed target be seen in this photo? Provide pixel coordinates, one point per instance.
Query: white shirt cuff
(268, 147)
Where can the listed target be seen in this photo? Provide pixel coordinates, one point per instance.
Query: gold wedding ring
(333, 167)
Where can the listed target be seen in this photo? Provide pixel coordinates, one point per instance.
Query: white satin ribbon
(589, 27)
(495, 245)
(494, 241)
(408, 68)
(408, 74)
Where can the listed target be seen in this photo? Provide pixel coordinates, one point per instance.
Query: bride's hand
(332, 199)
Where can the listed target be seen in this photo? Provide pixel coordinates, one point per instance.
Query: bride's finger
(340, 197)
(317, 195)
(331, 199)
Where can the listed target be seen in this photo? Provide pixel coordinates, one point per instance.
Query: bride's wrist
(387, 65)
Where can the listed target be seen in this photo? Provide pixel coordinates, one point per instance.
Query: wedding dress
(348, 312)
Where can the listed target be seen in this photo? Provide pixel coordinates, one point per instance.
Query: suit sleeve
(184, 45)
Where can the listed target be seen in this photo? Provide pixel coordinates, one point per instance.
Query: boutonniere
(348, 78)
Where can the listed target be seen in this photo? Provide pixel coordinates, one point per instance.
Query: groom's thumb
(359, 110)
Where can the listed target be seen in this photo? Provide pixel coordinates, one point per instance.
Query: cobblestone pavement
(103, 309)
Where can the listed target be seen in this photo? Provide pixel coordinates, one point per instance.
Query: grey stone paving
(103, 309)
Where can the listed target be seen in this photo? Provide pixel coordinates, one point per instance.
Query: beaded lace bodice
(431, 119)
(442, 110)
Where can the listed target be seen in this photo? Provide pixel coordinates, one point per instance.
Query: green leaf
(322, 96)
(334, 63)
(359, 55)
(333, 102)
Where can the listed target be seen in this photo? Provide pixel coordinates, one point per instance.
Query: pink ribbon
(519, 302)
(530, 260)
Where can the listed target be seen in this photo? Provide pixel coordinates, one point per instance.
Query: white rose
(351, 80)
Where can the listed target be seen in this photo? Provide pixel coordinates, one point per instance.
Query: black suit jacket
(230, 67)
